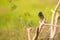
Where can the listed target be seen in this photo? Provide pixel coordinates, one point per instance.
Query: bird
(40, 15)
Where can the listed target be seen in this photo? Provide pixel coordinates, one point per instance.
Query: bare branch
(38, 29)
(57, 6)
(51, 28)
(29, 35)
(45, 24)
(36, 34)
(41, 24)
(52, 32)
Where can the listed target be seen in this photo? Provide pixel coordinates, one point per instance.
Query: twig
(41, 24)
(29, 35)
(57, 6)
(51, 28)
(36, 34)
(45, 24)
(37, 31)
(52, 32)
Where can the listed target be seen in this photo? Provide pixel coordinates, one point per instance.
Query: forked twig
(35, 37)
(53, 29)
(36, 34)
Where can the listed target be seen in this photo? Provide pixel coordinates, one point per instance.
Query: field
(17, 15)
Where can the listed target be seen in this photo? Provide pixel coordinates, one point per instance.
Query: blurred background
(17, 15)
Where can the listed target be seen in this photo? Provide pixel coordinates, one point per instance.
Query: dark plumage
(41, 15)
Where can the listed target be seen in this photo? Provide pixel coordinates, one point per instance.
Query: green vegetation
(17, 15)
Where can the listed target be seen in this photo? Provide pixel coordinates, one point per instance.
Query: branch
(36, 34)
(57, 6)
(38, 29)
(28, 31)
(51, 25)
(53, 12)
(54, 30)
(51, 28)
(41, 24)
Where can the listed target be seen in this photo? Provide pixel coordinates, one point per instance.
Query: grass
(17, 15)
